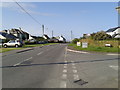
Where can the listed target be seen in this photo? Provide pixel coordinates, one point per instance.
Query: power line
(26, 12)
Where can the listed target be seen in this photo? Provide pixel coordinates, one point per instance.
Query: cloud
(27, 6)
(14, 5)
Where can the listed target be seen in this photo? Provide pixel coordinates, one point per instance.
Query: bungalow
(4, 35)
(22, 35)
(61, 39)
(114, 32)
(45, 36)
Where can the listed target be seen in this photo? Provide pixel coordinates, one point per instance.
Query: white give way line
(114, 67)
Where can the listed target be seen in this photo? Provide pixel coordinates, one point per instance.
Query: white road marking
(64, 70)
(65, 53)
(28, 59)
(16, 64)
(76, 51)
(65, 66)
(39, 53)
(73, 67)
(76, 77)
(73, 64)
(64, 76)
(63, 84)
(114, 67)
(74, 71)
(112, 54)
(22, 61)
(65, 61)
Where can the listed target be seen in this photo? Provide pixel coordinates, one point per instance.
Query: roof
(46, 36)
(112, 29)
(8, 36)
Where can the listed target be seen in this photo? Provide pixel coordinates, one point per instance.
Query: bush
(75, 40)
(100, 36)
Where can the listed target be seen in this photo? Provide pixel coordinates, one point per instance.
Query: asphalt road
(54, 66)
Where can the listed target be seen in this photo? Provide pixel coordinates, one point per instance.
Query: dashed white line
(65, 70)
(28, 59)
(73, 64)
(64, 76)
(74, 71)
(65, 61)
(114, 67)
(63, 84)
(112, 54)
(39, 53)
(65, 66)
(76, 77)
(73, 67)
(22, 61)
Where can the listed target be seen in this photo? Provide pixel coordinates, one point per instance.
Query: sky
(61, 17)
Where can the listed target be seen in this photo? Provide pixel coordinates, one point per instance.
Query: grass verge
(95, 48)
(25, 46)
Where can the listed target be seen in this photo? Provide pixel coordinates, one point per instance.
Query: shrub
(100, 36)
(75, 40)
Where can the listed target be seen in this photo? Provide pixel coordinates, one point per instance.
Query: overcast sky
(61, 17)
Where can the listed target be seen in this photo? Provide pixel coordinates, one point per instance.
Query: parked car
(42, 42)
(13, 43)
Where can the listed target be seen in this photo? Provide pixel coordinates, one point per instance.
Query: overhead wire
(26, 12)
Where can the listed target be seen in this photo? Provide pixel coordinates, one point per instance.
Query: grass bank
(25, 46)
(95, 48)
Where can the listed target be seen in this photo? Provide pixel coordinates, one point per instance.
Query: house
(114, 32)
(19, 33)
(61, 39)
(45, 36)
(86, 35)
(4, 35)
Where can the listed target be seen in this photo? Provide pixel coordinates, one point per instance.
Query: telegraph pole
(43, 29)
(52, 33)
(71, 35)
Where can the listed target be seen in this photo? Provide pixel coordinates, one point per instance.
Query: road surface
(55, 66)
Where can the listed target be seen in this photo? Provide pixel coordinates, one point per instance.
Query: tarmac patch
(80, 82)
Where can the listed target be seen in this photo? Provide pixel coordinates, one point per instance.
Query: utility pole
(71, 35)
(43, 29)
(52, 33)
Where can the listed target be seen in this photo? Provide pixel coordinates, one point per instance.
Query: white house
(17, 33)
(114, 32)
(2, 37)
(61, 38)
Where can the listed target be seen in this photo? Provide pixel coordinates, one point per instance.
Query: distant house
(86, 35)
(45, 36)
(4, 35)
(61, 39)
(114, 32)
(20, 34)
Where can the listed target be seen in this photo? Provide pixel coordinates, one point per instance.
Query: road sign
(84, 44)
(78, 43)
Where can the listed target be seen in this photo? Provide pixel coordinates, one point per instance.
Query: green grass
(37, 45)
(8, 49)
(25, 46)
(95, 48)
